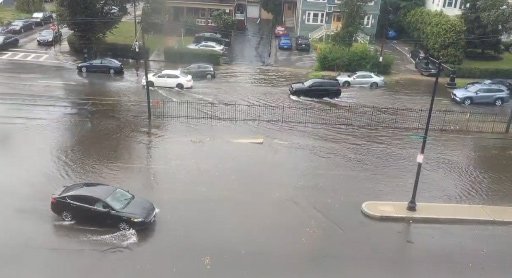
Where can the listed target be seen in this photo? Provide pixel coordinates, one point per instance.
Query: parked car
(361, 78)
(7, 41)
(316, 88)
(170, 79)
(41, 18)
(481, 93)
(200, 71)
(302, 43)
(280, 31)
(425, 67)
(416, 54)
(285, 42)
(20, 26)
(212, 37)
(208, 46)
(503, 82)
(104, 205)
(105, 65)
(49, 37)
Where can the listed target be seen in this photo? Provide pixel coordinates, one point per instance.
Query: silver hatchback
(481, 93)
(361, 78)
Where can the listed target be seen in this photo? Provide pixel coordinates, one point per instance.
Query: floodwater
(289, 207)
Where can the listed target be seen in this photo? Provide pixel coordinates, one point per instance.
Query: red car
(280, 31)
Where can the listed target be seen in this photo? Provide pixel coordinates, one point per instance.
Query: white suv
(169, 78)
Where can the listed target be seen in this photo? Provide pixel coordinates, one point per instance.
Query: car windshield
(473, 88)
(37, 15)
(2, 39)
(17, 23)
(183, 75)
(351, 74)
(47, 33)
(119, 199)
(307, 83)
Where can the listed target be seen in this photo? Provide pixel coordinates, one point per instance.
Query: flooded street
(289, 207)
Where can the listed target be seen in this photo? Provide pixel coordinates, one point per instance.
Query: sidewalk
(431, 212)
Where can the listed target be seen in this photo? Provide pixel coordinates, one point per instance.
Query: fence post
(507, 130)
(282, 114)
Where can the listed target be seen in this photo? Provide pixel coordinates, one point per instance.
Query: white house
(449, 7)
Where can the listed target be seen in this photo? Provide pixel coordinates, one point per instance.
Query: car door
(315, 90)
(481, 96)
(105, 65)
(192, 70)
(101, 211)
(160, 80)
(80, 207)
(172, 80)
(93, 66)
(364, 79)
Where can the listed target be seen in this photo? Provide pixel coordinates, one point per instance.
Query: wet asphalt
(289, 207)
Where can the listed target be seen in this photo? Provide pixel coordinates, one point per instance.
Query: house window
(315, 17)
(368, 21)
(371, 3)
(449, 3)
(202, 13)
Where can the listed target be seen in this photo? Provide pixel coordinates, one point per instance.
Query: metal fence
(336, 115)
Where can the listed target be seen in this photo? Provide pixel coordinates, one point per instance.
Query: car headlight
(136, 219)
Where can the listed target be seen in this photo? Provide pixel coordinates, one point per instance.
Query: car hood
(139, 207)
(462, 92)
(298, 85)
(45, 37)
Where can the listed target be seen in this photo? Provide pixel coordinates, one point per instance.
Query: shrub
(358, 57)
(481, 73)
(104, 49)
(507, 46)
(186, 55)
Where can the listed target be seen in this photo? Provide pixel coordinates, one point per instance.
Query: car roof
(171, 72)
(492, 85)
(319, 79)
(97, 190)
(200, 64)
(364, 72)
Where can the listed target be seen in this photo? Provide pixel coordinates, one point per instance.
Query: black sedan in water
(104, 205)
(49, 37)
(316, 88)
(7, 41)
(19, 26)
(105, 65)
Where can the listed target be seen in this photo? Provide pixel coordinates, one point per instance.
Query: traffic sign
(53, 27)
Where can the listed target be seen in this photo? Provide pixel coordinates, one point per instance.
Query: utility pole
(411, 206)
(135, 17)
(148, 97)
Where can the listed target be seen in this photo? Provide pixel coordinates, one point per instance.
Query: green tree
(154, 16)
(353, 12)
(91, 20)
(275, 8)
(395, 11)
(486, 21)
(29, 6)
(441, 34)
(225, 22)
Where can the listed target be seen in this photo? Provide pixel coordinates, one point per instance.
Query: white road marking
(44, 57)
(19, 55)
(29, 50)
(57, 82)
(250, 141)
(6, 54)
(31, 56)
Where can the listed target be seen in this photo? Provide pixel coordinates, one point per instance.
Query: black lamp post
(411, 206)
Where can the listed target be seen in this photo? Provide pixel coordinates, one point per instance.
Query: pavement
(433, 212)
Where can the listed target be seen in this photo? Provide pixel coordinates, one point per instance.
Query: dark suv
(302, 43)
(200, 71)
(316, 88)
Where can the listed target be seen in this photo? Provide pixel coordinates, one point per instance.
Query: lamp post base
(411, 206)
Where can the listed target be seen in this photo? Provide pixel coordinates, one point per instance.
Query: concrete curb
(438, 213)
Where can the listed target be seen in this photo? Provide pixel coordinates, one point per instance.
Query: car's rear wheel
(467, 101)
(180, 86)
(374, 85)
(209, 76)
(84, 69)
(345, 84)
(67, 216)
(123, 226)
(151, 84)
(112, 71)
(498, 102)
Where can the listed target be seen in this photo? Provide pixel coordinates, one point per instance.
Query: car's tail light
(54, 200)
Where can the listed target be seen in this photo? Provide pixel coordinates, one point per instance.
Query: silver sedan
(361, 78)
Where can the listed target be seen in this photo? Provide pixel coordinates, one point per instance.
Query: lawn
(10, 14)
(506, 62)
(124, 34)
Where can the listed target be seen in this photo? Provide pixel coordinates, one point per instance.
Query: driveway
(252, 46)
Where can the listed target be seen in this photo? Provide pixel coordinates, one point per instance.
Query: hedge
(113, 50)
(482, 73)
(187, 55)
(359, 57)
